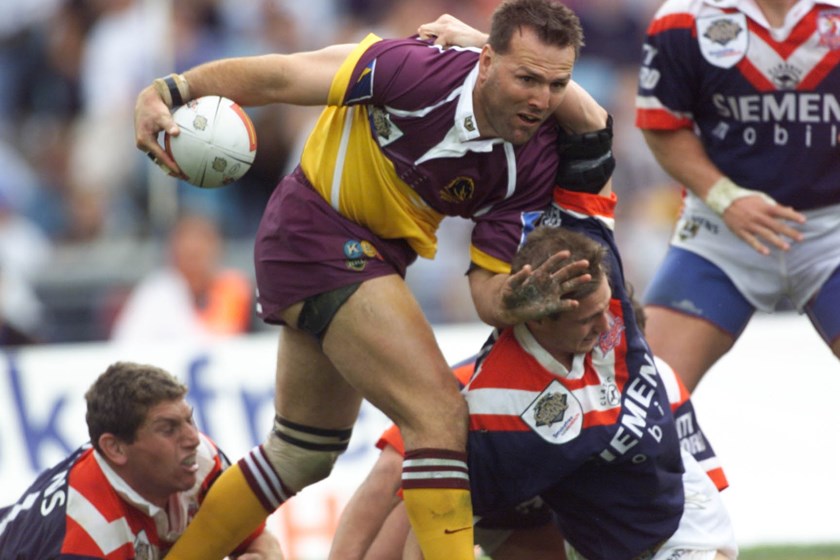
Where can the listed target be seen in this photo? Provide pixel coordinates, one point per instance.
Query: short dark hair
(545, 241)
(119, 400)
(554, 24)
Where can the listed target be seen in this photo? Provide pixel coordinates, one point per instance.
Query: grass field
(812, 552)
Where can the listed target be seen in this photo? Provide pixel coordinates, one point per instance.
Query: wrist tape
(173, 89)
(724, 192)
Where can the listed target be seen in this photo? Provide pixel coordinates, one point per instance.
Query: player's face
(162, 458)
(577, 331)
(517, 91)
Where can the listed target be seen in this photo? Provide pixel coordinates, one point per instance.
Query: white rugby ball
(217, 143)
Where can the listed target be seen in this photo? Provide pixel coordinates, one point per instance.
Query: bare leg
(383, 346)
(688, 344)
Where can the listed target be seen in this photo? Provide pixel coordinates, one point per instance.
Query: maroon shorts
(304, 248)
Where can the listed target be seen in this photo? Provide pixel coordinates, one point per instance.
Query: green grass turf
(791, 552)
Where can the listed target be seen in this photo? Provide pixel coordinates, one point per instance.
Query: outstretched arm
(365, 524)
(751, 215)
(300, 79)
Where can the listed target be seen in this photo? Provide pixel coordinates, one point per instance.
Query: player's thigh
(688, 344)
(824, 311)
(309, 390)
(694, 313)
(382, 344)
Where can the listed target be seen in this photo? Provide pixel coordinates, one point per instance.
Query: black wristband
(173, 90)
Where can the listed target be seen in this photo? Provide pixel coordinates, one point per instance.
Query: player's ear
(485, 60)
(113, 448)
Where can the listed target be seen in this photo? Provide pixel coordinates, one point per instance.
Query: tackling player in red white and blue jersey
(597, 442)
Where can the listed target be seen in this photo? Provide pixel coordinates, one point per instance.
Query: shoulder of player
(671, 8)
(438, 68)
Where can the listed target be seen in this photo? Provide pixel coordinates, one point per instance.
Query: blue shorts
(824, 309)
(688, 283)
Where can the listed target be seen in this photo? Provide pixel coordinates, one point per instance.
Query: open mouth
(190, 464)
(529, 118)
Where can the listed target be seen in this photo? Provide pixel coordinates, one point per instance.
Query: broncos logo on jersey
(459, 190)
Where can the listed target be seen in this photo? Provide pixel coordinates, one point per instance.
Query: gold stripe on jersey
(348, 169)
(488, 262)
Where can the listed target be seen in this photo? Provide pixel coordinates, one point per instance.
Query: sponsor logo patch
(723, 39)
(353, 249)
(356, 264)
(355, 253)
(556, 414)
(369, 250)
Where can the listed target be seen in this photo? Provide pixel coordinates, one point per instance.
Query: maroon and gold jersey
(398, 149)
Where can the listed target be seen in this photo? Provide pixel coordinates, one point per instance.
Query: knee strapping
(303, 455)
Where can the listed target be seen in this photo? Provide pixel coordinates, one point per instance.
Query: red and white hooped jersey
(81, 508)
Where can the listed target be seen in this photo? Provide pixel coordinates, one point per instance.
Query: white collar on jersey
(528, 343)
(170, 524)
(753, 11)
(122, 488)
(465, 121)
(464, 135)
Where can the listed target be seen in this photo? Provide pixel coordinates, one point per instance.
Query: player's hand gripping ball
(217, 143)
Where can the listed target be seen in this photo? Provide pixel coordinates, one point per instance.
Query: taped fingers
(165, 168)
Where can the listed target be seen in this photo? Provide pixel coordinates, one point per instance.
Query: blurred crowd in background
(92, 235)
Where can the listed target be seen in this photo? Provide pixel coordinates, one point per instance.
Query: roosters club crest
(828, 26)
(612, 337)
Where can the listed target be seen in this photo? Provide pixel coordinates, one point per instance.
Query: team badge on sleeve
(363, 88)
(828, 25)
(723, 39)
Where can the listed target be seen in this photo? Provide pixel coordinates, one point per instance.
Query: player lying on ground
(130, 492)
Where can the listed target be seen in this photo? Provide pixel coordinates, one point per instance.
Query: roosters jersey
(764, 100)
(398, 148)
(597, 442)
(81, 508)
(691, 435)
